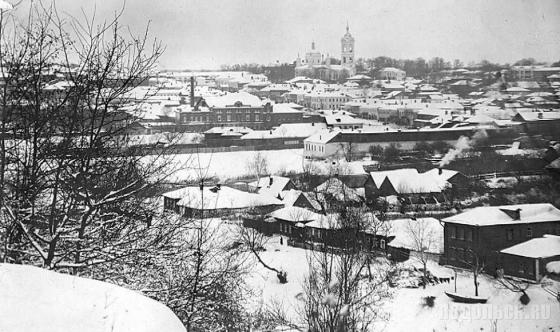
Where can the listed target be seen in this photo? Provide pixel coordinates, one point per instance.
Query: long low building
(340, 143)
(217, 200)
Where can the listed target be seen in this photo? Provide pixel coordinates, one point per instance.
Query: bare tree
(200, 276)
(75, 190)
(256, 241)
(339, 294)
(257, 166)
(476, 264)
(424, 239)
(514, 286)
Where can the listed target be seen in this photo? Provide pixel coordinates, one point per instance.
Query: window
(460, 233)
(452, 232)
(382, 244)
(529, 232)
(452, 253)
(468, 234)
(509, 234)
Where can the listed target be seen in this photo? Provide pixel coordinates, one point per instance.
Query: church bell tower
(347, 51)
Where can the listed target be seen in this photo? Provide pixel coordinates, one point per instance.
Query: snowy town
(339, 189)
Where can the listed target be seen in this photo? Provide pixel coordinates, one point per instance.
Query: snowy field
(503, 312)
(231, 165)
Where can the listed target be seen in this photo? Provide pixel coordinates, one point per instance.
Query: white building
(391, 73)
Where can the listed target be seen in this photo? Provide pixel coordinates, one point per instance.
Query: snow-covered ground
(230, 165)
(35, 299)
(406, 311)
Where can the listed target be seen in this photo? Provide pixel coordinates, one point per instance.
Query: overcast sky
(207, 33)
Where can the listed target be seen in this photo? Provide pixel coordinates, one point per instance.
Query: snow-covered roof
(338, 190)
(553, 267)
(289, 197)
(359, 77)
(341, 119)
(284, 108)
(62, 302)
(442, 175)
(411, 234)
(295, 214)
(223, 198)
(542, 247)
(516, 89)
(229, 100)
(330, 221)
(271, 185)
(322, 137)
(506, 214)
(223, 130)
(407, 181)
(299, 79)
(539, 116)
(299, 129)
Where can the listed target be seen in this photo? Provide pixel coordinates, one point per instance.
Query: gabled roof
(444, 177)
(322, 137)
(504, 215)
(407, 181)
(542, 247)
(289, 197)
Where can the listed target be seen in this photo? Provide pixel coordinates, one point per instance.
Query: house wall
(170, 204)
(520, 267)
(489, 240)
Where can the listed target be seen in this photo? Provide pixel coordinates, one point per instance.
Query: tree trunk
(475, 284)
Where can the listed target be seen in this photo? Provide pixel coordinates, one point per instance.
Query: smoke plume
(463, 144)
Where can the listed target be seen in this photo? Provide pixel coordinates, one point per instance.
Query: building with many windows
(487, 230)
(232, 109)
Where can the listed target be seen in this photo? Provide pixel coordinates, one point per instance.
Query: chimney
(270, 181)
(219, 186)
(440, 171)
(517, 214)
(192, 91)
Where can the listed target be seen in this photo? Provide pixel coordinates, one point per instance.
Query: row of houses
(521, 240)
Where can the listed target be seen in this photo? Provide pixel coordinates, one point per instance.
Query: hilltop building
(316, 65)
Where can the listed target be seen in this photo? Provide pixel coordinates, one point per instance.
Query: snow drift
(34, 299)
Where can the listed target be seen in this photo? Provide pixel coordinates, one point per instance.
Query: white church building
(316, 65)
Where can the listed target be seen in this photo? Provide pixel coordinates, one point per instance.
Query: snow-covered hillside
(34, 299)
